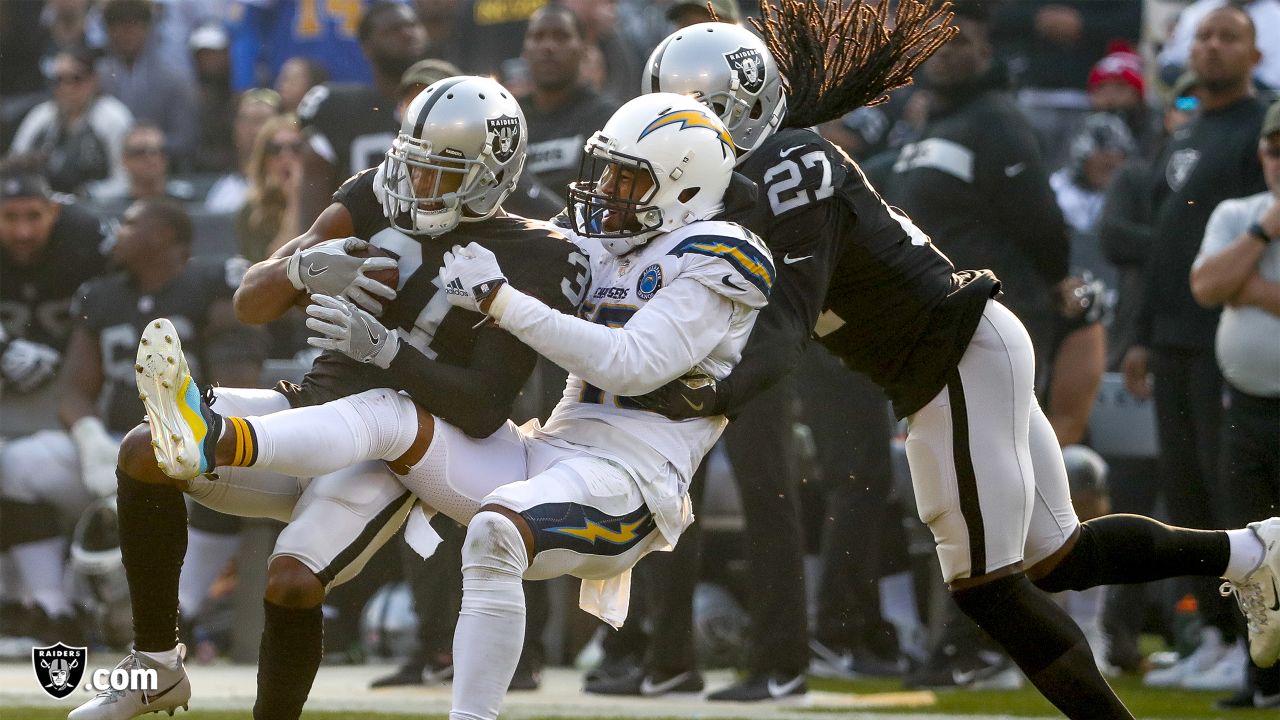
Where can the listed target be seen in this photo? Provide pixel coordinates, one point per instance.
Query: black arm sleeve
(476, 399)
(783, 327)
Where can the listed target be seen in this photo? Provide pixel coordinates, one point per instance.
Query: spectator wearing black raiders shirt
(562, 111)
(1211, 159)
(47, 249)
(349, 126)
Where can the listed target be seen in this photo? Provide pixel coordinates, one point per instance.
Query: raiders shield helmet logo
(59, 668)
(749, 65)
(505, 132)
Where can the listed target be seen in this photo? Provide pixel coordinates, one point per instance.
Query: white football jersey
(711, 278)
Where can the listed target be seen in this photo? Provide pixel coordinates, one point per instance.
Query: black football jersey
(348, 124)
(35, 300)
(114, 311)
(536, 259)
(873, 287)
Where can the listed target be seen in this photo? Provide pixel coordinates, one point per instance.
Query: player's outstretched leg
(1123, 549)
(184, 430)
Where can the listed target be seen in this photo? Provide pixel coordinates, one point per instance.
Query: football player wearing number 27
(604, 481)
(865, 281)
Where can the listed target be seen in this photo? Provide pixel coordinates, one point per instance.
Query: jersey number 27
(785, 195)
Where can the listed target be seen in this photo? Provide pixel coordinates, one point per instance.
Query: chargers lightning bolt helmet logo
(690, 119)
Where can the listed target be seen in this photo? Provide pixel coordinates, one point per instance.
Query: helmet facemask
(612, 197)
(426, 193)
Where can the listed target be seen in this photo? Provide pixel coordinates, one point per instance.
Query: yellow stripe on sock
(238, 456)
(250, 453)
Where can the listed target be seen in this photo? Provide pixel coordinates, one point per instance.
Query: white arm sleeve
(675, 330)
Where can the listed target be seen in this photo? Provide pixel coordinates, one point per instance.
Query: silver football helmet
(96, 571)
(727, 68)
(459, 152)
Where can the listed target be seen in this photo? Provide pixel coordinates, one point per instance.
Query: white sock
(490, 632)
(207, 555)
(318, 440)
(1247, 552)
(40, 565)
(168, 658)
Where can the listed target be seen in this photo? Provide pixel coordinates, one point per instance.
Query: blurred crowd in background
(1102, 124)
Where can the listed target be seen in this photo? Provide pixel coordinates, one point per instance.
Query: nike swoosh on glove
(470, 276)
(328, 268)
(693, 395)
(346, 328)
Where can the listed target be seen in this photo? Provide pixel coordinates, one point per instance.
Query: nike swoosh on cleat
(790, 260)
(649, 688)
(698, 407)
(964, 677)
(148, 699)
(777, 691)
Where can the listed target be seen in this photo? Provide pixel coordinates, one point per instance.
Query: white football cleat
(1259, 596)
(184, 431)
(1206, 655)
(173, 691)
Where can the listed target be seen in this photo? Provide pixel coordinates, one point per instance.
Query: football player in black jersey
(856, 273)
(51, 475)
(458, 155)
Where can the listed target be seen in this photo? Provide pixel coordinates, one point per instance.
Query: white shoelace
(1249, 597)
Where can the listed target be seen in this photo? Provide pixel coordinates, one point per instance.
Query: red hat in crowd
(1120, 63)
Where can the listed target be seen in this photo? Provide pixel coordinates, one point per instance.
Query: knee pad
(1076, 571)
(493, 546)
(385, 419)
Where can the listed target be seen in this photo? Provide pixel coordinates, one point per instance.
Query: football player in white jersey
(674, 295)
(859, 276)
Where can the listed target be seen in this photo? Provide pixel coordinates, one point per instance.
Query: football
(390, 277)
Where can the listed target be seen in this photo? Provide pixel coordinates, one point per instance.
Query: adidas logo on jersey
(455, 288)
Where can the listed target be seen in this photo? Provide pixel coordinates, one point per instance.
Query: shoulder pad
(727, 258)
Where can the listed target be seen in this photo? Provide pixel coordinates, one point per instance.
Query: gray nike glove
(27, 365)
(346, 328)
(328, 268)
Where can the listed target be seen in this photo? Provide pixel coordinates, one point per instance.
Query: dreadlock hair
(837, 57)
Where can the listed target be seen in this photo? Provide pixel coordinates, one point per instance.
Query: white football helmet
(730, 70)
(458, 155)
(674, 157)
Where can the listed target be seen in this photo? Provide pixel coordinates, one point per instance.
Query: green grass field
(1144, 702)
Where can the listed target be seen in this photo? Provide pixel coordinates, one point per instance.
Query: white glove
(98, 452)
(27, 365)
(350, 330)
(329, 269)
(470, 275)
